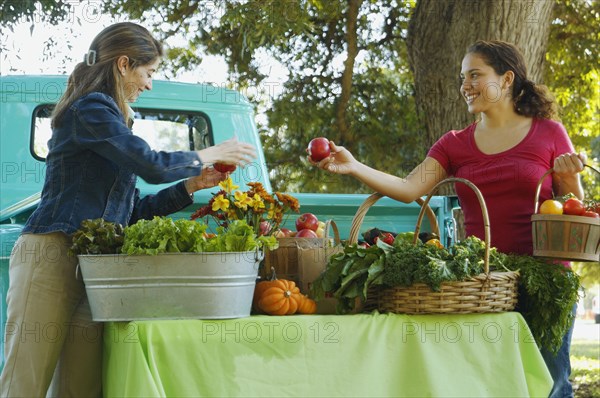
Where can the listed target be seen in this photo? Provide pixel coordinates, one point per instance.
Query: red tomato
(594, 206)
(573, 207)
(589, 213)
(388, 238)
(224, 168)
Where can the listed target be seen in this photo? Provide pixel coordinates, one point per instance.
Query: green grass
(585, 368)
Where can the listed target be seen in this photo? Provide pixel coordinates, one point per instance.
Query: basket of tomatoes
(567, 229)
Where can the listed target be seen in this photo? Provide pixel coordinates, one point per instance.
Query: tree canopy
(348, 73)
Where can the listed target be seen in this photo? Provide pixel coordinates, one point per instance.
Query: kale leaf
(97, 237)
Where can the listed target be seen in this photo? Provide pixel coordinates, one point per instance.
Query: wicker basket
(565, 237)
(284, 259)
(486, 292)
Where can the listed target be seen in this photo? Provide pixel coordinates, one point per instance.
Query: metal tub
(170, 286)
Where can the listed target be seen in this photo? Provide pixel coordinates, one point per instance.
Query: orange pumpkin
(281, 299)
(307, 305)
(260, 289)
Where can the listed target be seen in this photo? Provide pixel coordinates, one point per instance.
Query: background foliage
(346, 60)
(573, 76)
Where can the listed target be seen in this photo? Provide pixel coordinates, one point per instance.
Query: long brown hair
(529, 99)
(99, 71)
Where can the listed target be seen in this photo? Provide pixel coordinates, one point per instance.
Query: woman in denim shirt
(92, 166)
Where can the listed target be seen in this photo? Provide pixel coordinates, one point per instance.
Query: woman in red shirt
(505, 153)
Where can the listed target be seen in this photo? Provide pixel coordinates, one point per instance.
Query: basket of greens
(412, 277)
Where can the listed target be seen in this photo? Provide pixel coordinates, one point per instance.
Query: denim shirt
(92, 166)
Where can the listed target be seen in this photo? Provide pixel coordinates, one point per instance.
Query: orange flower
(254, 206)
(288, 201)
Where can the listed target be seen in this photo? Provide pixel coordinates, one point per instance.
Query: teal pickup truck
(173, 116)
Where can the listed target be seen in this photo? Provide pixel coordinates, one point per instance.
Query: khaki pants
(50, 335)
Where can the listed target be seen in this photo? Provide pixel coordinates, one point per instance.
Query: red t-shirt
(507, 180)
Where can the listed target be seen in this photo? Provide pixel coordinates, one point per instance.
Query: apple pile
(307, 226)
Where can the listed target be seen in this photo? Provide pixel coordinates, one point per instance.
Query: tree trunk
(438, 36)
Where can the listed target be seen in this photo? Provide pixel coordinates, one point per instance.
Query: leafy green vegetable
(409, 263)
(164, 235)
(433, 273)
(406, 237)
(97, 237)
(238, 237)
(547, 293)
(350, 274)
(467, 258)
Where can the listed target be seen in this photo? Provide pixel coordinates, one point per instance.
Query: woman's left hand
(565, 178)
(569, 163)
(208, 179)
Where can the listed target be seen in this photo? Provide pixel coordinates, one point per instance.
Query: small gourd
(307, 305)
(260, 289)
(281, 299)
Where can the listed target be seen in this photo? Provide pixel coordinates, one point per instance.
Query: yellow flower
(257, 202)
(220, 203)
(227, 185)
(272, 211)
(231, 214)
(242, 200)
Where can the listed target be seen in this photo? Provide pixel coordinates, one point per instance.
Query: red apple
(306, 233)
(307, 221)
(264, 227)
(224, 168)
(318, 149)
(283, 233)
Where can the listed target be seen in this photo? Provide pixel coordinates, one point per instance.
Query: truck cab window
(162, 130)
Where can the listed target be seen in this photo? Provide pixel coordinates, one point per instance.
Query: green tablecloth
(483, 355)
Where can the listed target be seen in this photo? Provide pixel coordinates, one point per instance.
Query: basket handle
(539, 186)
(484, 212)
(364, 207)
(336, 233)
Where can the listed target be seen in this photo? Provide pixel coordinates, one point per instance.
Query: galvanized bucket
(170, 286)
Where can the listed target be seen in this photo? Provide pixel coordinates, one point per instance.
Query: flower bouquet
(260, 210)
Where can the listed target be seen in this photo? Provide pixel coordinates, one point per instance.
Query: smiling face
(482, 88)
(137, 80)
